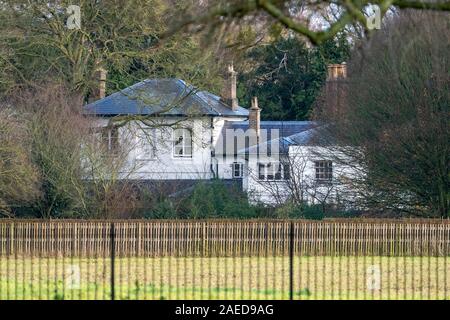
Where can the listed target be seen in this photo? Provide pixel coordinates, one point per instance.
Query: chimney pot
(337, 71)
(336, 87)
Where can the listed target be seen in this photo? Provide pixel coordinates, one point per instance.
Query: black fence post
(113, 255)
(291, 260)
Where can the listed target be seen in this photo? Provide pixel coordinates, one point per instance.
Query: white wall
(302, 182)
(223, 164)
(164, 165)
(206, 133)
(267, 192)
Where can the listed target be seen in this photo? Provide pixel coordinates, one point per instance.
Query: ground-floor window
(324, 170)
(238, 170)
(273, 171)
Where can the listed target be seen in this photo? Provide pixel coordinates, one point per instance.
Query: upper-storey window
(182, 143)
(324, 170)
(110, 138)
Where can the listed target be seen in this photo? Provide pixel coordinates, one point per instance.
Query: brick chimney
(337, 71)
(99, 91)
(229, 89)
(254, 118)
(336, 87)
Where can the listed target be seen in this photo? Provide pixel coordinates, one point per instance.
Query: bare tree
(18, 176)
(396, 116)
(316, 20)
(37, 43)
(76, 175)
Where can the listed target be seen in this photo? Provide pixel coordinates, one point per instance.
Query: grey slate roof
(286, 128)
(168, 97)
(290, 133)
(317, 135)
(312, 134)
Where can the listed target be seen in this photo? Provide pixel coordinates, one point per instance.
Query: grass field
(226, 278)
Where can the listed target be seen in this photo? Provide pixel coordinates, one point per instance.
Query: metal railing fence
(224, 259)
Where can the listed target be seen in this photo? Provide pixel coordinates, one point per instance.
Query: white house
(304, 170)
(172, 126)
(176, 132)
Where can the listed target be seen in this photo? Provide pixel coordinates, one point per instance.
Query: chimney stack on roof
(229, 90)
(254, 117)
(99, 91)
(336, 87)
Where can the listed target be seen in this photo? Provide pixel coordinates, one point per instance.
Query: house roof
(286, 128)
(168, 97)
(312, 134)
(317, 135)
(289, 133)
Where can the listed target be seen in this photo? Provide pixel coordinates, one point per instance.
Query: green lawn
(226, 278)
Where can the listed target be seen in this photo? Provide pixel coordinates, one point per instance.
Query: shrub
(304, 211)
(162, 210)
(216, 199)
(19, 180)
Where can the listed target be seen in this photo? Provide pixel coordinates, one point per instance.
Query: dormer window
(182, 143)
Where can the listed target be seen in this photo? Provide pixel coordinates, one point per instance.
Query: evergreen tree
(288, 76)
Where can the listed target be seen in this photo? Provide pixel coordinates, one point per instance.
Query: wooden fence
(224, 238)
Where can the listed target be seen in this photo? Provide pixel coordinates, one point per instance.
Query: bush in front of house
(217, 200)
(206, 199)
(291, 210)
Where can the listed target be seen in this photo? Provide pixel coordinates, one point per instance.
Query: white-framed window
(146, 143)
(110, 138)
(238, 170)
(324, 170)
(182, 143)
(273, 171)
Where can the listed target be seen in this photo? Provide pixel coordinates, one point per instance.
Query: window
(278, 171)
(238, 169)
(110, 138)
(269, 171)
(261, 171)
(182, 143)
(146, 143)
(324, 171)
(286, 171)
(273, 171)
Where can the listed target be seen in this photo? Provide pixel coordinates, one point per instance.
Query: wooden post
(291, 260)
(113, 251)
